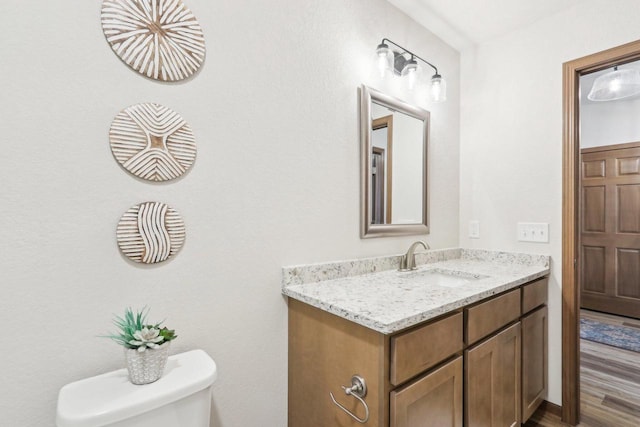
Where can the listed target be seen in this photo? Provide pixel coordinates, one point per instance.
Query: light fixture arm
(411, 53)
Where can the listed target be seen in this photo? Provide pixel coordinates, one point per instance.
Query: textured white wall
(511, 133)
(276, 182)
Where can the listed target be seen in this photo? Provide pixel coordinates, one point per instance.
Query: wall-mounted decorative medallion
(150, 232)
(152, 142)
(160, 39)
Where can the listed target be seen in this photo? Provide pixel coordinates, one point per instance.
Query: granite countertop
(372, 293)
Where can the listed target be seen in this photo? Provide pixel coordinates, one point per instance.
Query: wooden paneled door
(610, 235)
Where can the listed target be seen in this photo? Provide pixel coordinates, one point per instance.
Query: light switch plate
(474, 229)
(533, 232)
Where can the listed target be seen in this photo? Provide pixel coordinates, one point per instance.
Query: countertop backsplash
(318, 272)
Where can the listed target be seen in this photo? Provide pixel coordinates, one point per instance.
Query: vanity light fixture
(403, 63)
(616, 84)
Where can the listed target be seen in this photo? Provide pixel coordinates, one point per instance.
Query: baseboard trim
(551, 408)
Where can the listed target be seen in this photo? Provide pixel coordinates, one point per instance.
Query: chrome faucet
(408, 260)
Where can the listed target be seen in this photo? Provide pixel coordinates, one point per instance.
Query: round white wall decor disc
(150, 232)
(152, 142)
(160, 39)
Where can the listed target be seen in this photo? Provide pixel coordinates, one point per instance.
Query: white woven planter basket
(146, 366)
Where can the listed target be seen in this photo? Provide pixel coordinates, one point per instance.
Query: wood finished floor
(609, 381)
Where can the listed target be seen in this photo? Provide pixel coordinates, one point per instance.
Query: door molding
(380, 123)
(570, 215)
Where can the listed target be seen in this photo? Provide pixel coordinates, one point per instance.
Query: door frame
(571, 218)
(380, 123)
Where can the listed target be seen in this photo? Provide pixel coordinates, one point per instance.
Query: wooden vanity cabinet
(416, 375)
(492, 353)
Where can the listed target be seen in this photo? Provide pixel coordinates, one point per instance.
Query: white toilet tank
(182, 397)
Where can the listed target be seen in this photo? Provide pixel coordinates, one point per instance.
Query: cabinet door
(434, 400)
(534, 361)
(324, 352)
(492, 381)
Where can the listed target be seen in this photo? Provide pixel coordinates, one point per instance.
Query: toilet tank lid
(110, 397)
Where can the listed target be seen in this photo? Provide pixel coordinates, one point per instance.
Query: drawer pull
(358, 390)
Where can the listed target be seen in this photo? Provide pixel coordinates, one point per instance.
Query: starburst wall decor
(160, 39)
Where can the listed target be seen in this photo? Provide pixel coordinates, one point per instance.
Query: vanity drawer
(534, 294)
(419, 349)
(491, 315)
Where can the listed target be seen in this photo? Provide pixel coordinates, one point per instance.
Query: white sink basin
(443, 278)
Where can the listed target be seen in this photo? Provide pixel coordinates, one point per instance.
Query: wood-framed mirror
(394, 141)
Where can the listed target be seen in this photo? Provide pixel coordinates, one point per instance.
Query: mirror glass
(394, 142)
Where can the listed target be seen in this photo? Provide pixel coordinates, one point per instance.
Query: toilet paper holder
(358, 390)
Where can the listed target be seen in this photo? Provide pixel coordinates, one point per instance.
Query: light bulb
(615, 85)
(410, 74)
(383, 60)
(438, 90)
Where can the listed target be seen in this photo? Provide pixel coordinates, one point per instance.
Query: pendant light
(616, 84)
(411, 74)
(438, 89)
(383, 60)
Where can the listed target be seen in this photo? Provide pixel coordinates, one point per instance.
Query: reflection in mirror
(381, 171)
(394, 194)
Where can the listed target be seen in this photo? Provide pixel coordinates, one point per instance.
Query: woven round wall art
(152, 142)
(150, 232)
(160, 39)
